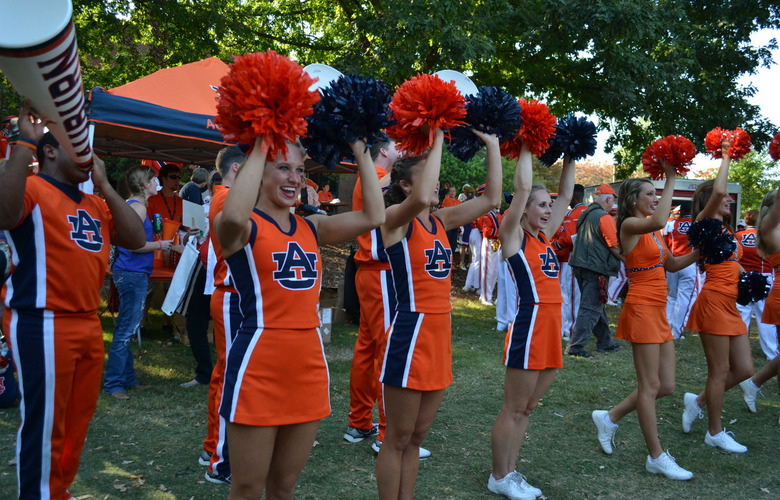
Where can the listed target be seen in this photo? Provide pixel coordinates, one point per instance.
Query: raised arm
(13, 178)
(398, 216)
(637, 226)
(720, 187)
(464, 213)
(770, 225)
(128, 227)
(510, 230)
(561, 205)
(232, 225)
(346, 226)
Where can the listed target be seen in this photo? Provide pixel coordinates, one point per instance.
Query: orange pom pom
(265, 95)
(675, 150)
(740, 142)
(420, 106)
(774, 147)
(537, 129)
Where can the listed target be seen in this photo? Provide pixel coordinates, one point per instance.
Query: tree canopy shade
(646, 68)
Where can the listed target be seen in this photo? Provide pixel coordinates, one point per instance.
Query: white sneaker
(425, 453)
(509, 488)
(724, 441)
(606, 432)
(691, 412)
(501, 327)
(666, 465)
(468, 288)
(486, 302)
(749, 393)
(520, 479)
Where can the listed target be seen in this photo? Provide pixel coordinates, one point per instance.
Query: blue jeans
(120, 372)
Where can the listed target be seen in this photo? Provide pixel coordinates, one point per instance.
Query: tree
(647, 69)
(756, 173)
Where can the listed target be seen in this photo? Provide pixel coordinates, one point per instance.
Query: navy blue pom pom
(352, 108)
(492, 111)
(575, 137)
(753, 287)
(713, 240)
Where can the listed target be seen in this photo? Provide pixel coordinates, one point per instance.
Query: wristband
(160, 242)
(27, 143)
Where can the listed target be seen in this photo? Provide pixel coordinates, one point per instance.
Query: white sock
(609, 421)
(754, 385)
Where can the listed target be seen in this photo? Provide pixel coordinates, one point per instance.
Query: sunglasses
(175, 177)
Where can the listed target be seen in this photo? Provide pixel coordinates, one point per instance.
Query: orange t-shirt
(325, 197)
(677, 236)
(370, 248)
(449, 202)
(609, 230)
(169, 207)
(750, 258)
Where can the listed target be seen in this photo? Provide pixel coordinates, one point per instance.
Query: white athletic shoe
(666, 465)
(509, 488)
(606, 432)
(468, 288)
(425, 453)
(691, 412)
(749, 393)
(521, 480)
(486, 302)
(724, 441)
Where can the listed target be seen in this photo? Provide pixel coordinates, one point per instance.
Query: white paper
(193, 215)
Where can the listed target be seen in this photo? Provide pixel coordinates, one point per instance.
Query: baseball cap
(741, 222)
(481, 189)
(604, 189)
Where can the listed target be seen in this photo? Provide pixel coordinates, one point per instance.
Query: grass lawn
(148, 447)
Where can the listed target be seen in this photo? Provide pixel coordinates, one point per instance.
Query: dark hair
(578, 193)
(626, 201)
(47, 139)
(166, 170)
(228, 156)
(401, 171)
(685, 207)
(751, 216)
(377, 147)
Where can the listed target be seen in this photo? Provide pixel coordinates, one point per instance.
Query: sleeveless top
(645, 269)
(135, 262)
(277, 275)
(420, 264)
(723, 277)
(535, 270)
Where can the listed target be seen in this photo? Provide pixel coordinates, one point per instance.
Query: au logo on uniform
(86, 231)
(439, 260)
(550, 266)
(684, 227)
(295, 269)
(749, 239)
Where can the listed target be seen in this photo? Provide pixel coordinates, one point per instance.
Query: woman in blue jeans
(131, 276)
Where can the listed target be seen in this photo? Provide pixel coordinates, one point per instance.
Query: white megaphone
(39, 56)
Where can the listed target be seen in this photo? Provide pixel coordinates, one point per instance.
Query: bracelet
(26, 144)
(160, 242)
(28, 141)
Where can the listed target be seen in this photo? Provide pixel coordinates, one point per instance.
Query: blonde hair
(766, 206)
(134, 180)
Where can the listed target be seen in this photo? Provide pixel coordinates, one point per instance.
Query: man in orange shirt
(450, 200)
(595, 257)
(563, 243)
(165, 202)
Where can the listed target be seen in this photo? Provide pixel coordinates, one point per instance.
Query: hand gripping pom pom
(575, 137)
(424, 102)
(265, 95)
(536, 131)
(752, 287)
(352, 108)
(492, 111)
(714, 242)
(675, 150)
(774, 147)
(740, 142)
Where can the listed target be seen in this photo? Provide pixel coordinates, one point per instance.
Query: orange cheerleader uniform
(533, 341)
(276, 373)
(715, 311)
(643, 318)
(418, 353)
(771, 314)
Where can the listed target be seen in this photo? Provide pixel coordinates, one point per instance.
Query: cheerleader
(769, 247)
(417, 365)
(532, 351)
(276, 377)
(714, 315)
(643, 322)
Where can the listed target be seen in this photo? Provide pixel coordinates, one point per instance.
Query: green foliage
(757, 174)
(647, 69)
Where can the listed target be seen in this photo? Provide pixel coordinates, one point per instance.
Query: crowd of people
(548, 258)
